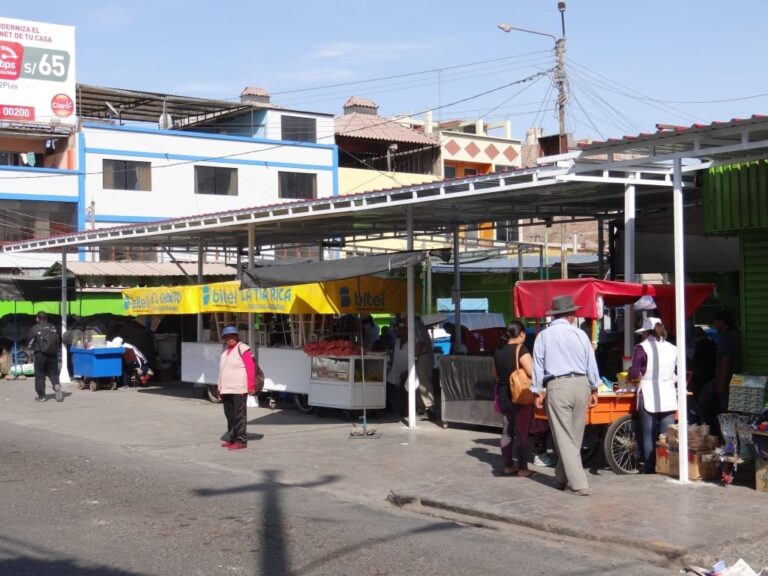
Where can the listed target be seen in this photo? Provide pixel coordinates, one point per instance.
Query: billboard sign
(37, 72)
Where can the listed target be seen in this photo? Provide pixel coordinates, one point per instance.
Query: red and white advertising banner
(37, 72)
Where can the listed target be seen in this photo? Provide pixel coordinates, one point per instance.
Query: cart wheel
(93, 385)
(272, 403)
(212, 392)
(302, 403)
(114, 384)
(620, 445)
(81, 385)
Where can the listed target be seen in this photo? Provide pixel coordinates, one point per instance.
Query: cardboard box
(747, 393)
(701, 463)
(761, 475)
(662, 453)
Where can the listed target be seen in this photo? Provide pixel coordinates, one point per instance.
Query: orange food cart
(611, 424)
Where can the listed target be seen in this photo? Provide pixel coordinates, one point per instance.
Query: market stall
(532, 298)
(304, 313)
(611, 423)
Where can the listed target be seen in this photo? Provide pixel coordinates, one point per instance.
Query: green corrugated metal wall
(496, 287)
(754, 298)
(736, 198)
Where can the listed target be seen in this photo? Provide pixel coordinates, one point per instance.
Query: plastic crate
(97, 362)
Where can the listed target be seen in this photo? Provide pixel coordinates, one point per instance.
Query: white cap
(648, 325)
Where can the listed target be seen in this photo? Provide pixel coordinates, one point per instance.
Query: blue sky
(630, 64)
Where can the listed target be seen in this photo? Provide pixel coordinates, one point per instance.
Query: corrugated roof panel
(145, 269)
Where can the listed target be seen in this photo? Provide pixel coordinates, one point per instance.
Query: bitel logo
(11, 55)
(346, 301)
(206, 295)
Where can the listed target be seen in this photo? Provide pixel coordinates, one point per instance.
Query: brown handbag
(520, 383)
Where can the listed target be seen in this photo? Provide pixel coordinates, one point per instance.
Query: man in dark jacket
(44, 342)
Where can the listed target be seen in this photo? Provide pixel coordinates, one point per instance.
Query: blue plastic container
(97, 362)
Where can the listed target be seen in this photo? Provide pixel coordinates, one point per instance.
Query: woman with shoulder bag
(512, 355)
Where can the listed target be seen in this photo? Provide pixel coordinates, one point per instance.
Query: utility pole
(559, 72)
(560, 80)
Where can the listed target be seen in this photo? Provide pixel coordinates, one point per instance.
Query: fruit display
(332, 348)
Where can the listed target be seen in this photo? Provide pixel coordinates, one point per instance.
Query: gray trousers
(567, 400)
(426, 394)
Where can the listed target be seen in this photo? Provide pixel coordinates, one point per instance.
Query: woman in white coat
(654, 366)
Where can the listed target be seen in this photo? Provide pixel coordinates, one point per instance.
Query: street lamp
(559, 74)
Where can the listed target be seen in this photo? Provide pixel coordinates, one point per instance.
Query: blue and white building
(140, 157)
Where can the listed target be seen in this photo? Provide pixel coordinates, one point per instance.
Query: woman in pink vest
(237, 379)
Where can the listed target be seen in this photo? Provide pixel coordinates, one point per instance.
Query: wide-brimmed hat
(561, 305)
(230, 331)
(648, 325)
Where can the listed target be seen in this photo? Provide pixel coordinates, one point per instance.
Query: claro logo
(62, 105)
(11, 55)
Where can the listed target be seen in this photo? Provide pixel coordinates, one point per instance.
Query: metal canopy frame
(600, 180)
(589, 183)
(543, 193)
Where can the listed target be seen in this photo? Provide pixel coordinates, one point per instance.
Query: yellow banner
(354, 295)
(160, 300)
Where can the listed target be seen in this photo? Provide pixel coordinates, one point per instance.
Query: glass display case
(348, 382)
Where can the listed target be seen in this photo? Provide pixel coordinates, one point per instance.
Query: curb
(669, 553)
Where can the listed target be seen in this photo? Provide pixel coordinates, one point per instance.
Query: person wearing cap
(237, 371)
(654, 365)
(565, 373)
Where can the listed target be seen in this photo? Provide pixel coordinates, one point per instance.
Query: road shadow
(22, 558)
(275, 557)
(175, 389)
(27, 565)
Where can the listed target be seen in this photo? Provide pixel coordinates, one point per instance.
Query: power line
(283, 145)
(408, 74)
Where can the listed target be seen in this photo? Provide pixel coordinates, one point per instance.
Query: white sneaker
(59, 393)
(544, 460)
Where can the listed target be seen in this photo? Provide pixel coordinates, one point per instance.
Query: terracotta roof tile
(356, 125)
(360, 101)
(254, 91)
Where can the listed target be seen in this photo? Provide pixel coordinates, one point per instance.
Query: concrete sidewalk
(442, 471)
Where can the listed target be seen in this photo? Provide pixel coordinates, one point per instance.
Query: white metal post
(63, 372)
(411, 346)
(629, 268)
(682, 399)
(456, 292)
(251, 317)
(200, 281)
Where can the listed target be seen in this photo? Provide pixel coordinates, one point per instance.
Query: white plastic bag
(252, 401)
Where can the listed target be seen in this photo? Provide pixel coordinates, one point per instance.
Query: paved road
(77, 504)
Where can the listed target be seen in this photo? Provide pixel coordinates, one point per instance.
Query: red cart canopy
(532, 298)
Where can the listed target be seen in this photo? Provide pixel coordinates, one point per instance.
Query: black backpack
(258, 373)
(46, 339)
